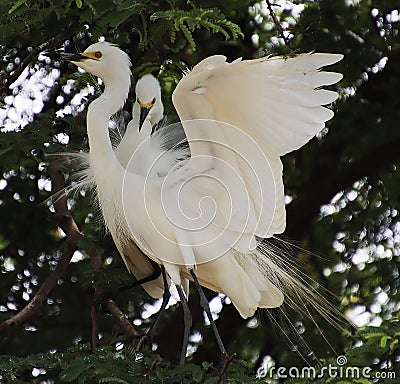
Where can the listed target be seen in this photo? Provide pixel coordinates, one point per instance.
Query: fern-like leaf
(187, 21)
(113, 380)
(188, 35)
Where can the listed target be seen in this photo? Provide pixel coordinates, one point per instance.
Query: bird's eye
(97, 55)
(153, 101)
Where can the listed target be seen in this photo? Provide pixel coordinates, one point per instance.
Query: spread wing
(239, 118)
(277, 100)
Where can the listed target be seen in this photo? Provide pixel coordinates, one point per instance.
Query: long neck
(98, 116)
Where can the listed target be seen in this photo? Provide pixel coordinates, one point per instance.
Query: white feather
(239, 118)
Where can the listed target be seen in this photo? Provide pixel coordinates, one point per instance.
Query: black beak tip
(143, 114)
(51, 54)
(63, 55)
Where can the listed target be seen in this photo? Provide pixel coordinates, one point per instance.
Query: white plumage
(146, 151)
(133, 138)
(209, 212)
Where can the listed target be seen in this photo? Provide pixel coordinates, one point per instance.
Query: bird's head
(103, 60)
(148, 101)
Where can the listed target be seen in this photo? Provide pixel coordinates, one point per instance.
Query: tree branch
(6, 79)
(278, 24)
(68, 225)
(126, 326)
(111, 306)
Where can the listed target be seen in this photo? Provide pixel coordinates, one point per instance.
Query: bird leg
(165, 300)
(155, 275)
(204, 304)
(102, 298)
(187, 320)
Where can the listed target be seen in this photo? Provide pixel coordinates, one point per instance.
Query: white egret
(145, 115)
(143, 149)
(204, 221)
(138, 151)
(151, 153)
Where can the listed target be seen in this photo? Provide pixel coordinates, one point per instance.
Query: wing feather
(258, 110)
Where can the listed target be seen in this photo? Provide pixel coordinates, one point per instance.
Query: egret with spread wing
(204, 220)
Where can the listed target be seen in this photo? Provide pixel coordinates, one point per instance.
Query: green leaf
(89, 373)
(384, 341)
(113, 380)
(74, 370)
(5, 150)
(375, 334)
(197, 374)
(91, 6)
(188, 35)
(393, 344)
(16, 6)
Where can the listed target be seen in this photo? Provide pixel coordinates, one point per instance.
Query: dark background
(344, 185)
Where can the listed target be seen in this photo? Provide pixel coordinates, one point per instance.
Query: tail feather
(266, 278)
(298, 289)
(231, 280)
(270, 295)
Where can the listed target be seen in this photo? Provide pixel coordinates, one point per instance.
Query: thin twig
(126, 327)
(6, 79)
(95, 328)
(278, 24)
(68, 225)
(151, 368)
(227, 361)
